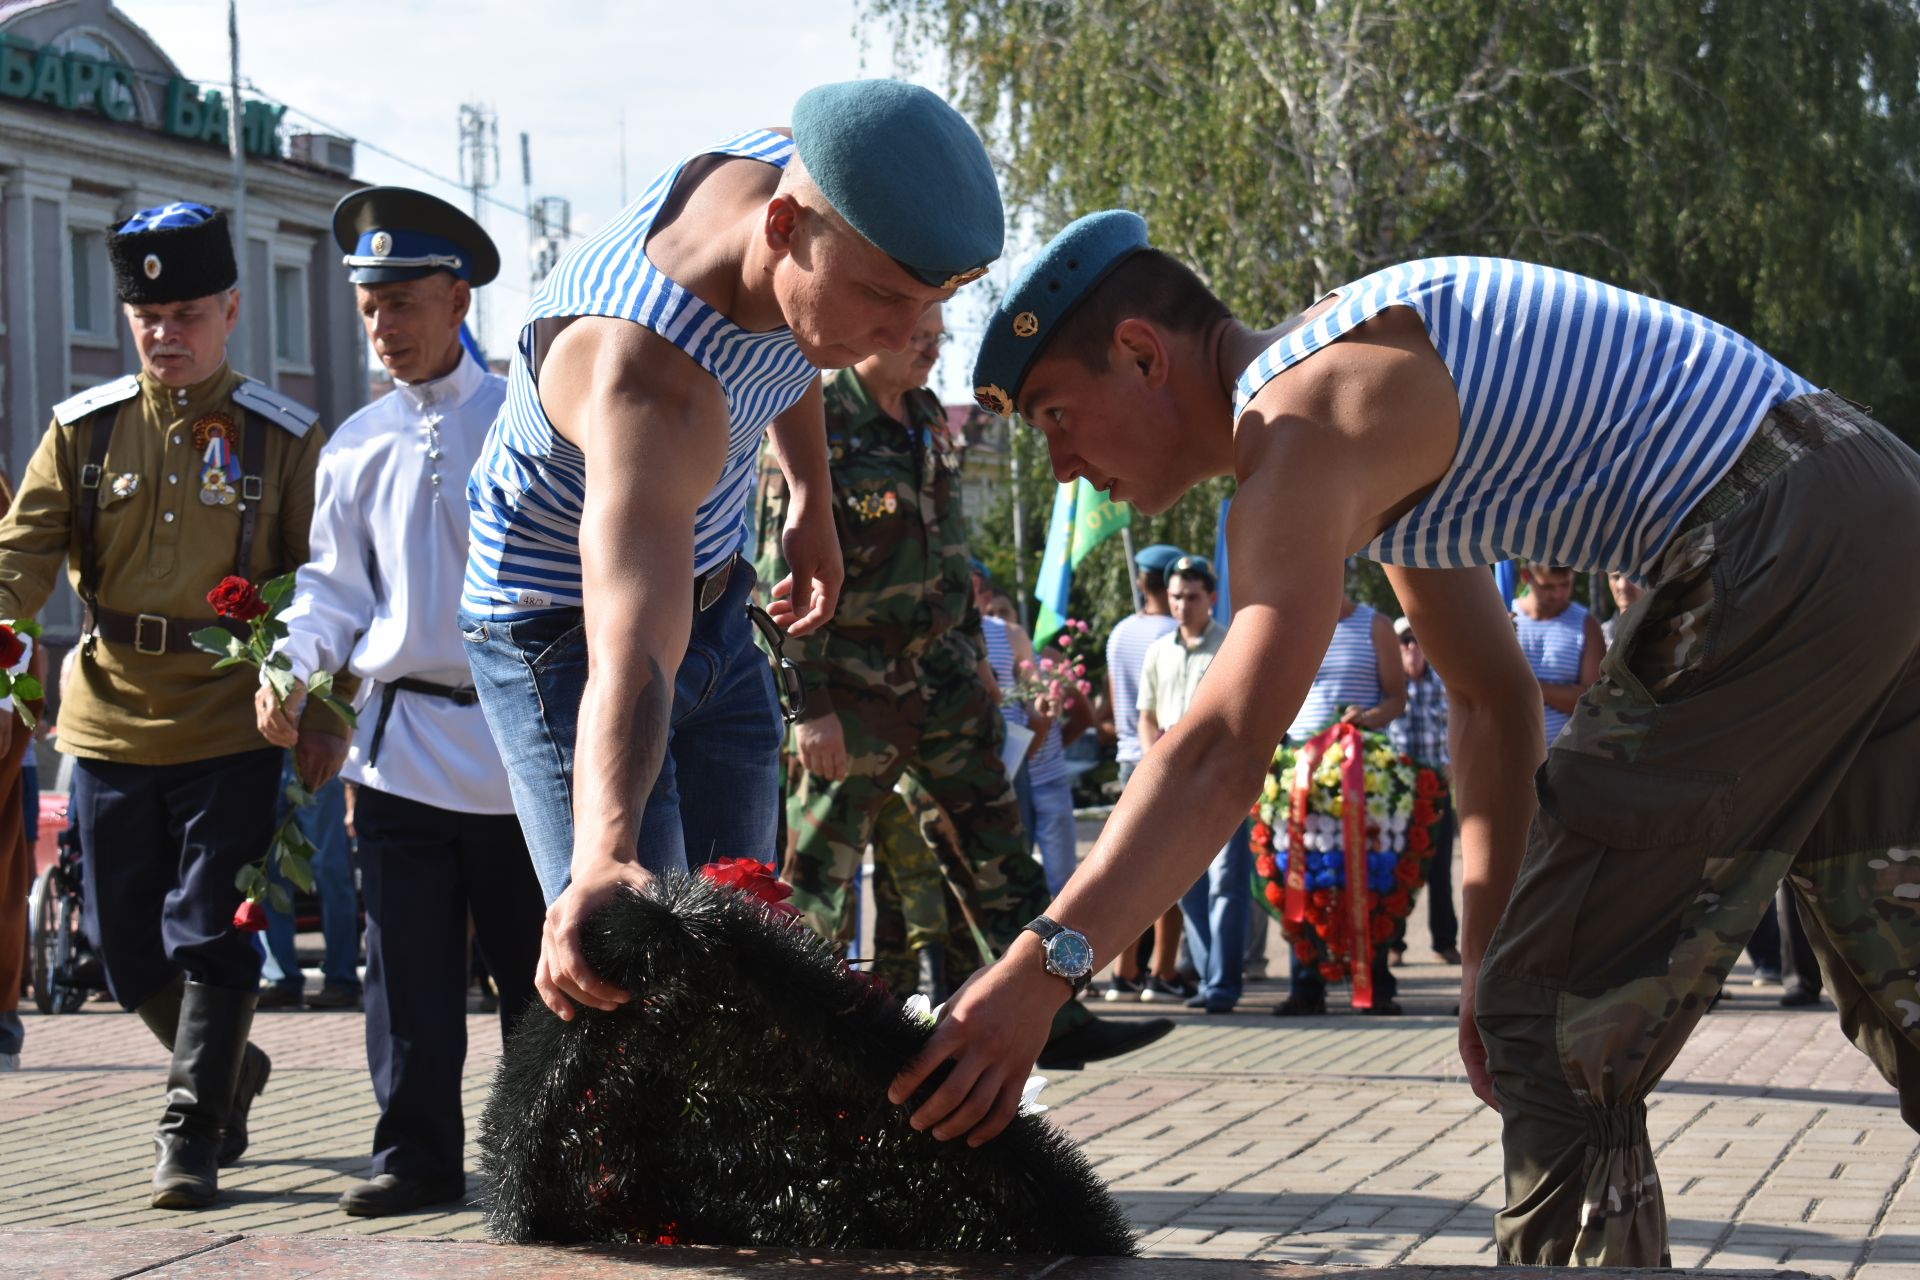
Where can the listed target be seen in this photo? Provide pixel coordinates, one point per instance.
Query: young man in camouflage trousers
(897, 683)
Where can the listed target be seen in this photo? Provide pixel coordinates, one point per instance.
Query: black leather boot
(933, 974)
(161, 1013)
(209, 1044)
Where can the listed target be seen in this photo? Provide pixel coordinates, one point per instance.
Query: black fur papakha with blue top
(740, 1099)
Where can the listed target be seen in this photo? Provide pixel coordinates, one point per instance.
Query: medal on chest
(219, 473)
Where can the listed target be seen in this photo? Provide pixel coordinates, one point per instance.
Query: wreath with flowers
(1356, 813)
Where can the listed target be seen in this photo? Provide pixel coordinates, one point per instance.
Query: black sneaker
(1177, 991)
(1119, 988)
(275, 996)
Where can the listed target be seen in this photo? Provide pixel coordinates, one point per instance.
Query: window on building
(92, 305)
(290, 315)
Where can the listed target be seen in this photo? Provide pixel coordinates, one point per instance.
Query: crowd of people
(535, 587)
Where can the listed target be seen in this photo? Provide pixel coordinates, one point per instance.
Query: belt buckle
(140, 630)
(714, 584)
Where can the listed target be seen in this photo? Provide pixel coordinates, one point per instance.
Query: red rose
(1418, 841)
(1262, 838)
(250, 917)
(1427, 783)
(235, 598)
(1424, 814)
(1275, 894)
(1321, 897)
(1303, 949)
(1407, 871)
(1398, 904)
(1380, 928)
(1266, 866)
(11, 647)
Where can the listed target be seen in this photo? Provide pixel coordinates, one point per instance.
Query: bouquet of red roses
(259, 609)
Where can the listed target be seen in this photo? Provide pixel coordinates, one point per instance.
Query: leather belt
(711, 585)
(153, 633)
(459, 697)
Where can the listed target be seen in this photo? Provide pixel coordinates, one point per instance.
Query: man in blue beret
(1757, 713)
(605, 599)
(438, 841)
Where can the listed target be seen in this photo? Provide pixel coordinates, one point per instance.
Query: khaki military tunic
(160, 548)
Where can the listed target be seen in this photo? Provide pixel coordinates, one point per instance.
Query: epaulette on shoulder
(73, 409)
(295, 417)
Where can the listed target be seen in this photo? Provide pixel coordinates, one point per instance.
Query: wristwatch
(1068, 953)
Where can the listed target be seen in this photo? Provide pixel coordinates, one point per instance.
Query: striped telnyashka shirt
(1554, 647)
(1349, 676)
(528, 487)
(1591, 419)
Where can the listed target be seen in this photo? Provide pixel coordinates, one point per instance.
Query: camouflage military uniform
(1758, 717)
(900, 665)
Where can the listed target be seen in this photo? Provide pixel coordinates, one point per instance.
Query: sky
(393, 74)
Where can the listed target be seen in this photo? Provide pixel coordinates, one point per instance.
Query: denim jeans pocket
(473, 630)
(551, 639)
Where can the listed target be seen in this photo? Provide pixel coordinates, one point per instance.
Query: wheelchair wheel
(53, 932)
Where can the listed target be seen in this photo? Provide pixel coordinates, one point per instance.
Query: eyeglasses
(793, 694)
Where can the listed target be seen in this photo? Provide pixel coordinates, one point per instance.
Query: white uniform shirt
(382, 590)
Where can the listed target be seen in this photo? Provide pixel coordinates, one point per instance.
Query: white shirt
(380, 594)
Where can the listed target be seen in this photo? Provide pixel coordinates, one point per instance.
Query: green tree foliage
(1751, 160)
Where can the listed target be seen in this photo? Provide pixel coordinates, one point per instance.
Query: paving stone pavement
(1340, 1140)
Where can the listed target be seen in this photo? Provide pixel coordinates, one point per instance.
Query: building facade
(96, 123)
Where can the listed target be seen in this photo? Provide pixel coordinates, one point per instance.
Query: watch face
(1070, 955)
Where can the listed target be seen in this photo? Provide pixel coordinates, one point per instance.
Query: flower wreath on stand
(1338, 810)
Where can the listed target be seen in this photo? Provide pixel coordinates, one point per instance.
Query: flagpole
(1019, 578)
(1133, 579)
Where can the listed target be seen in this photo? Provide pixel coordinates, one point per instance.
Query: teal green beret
(1160, 556)
(1046, 293)
(906, 172)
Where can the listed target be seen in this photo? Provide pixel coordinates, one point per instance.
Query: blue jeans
(1215, 912)
(324, 823)
(718, 791)
(1047, 809)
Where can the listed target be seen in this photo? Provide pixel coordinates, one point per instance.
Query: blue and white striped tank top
(1349, 675)
(1553, 647)
(1591, 419)
(527, 489)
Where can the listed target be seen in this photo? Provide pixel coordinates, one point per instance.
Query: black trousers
(1442, 921)
(422, 871)
(160, 845)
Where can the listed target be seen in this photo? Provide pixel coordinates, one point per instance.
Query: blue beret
(906, 172)
(397, 233)
(1046, 293)
(1160, 557)
(980, 568)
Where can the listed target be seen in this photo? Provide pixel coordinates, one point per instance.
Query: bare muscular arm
(653, 427)
(1494, 734)
(805, 599)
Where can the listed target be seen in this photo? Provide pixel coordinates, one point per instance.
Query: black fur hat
(740, 1099)
(171, 254)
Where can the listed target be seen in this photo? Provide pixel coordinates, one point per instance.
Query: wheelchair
(61, 961)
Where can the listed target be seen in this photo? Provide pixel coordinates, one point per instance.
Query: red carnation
(753, 878)
(1424, 814)
(236, 598)
(1303, 949)
(1321, 897)
(1427, 783)
(1275, 894)
(1262, 838)
(1380, 928)
(249, 916)
(11, 647)
(1266, 866)
(1418, 841)
(1398, 904)
(1407, 871)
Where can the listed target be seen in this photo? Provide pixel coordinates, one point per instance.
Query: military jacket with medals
(903, 536)
(169, 497)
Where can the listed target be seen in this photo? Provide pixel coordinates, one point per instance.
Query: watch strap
(1047, 930)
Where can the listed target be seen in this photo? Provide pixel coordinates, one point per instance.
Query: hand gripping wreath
(739, 1098)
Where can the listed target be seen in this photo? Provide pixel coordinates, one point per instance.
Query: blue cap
(396, 233)
(905, 171)
(1046, 293)
(1159, 557)
(980, 568)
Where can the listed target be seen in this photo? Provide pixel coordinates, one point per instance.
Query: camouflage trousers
(931, 720)
(909, 891)
(1758, 718)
